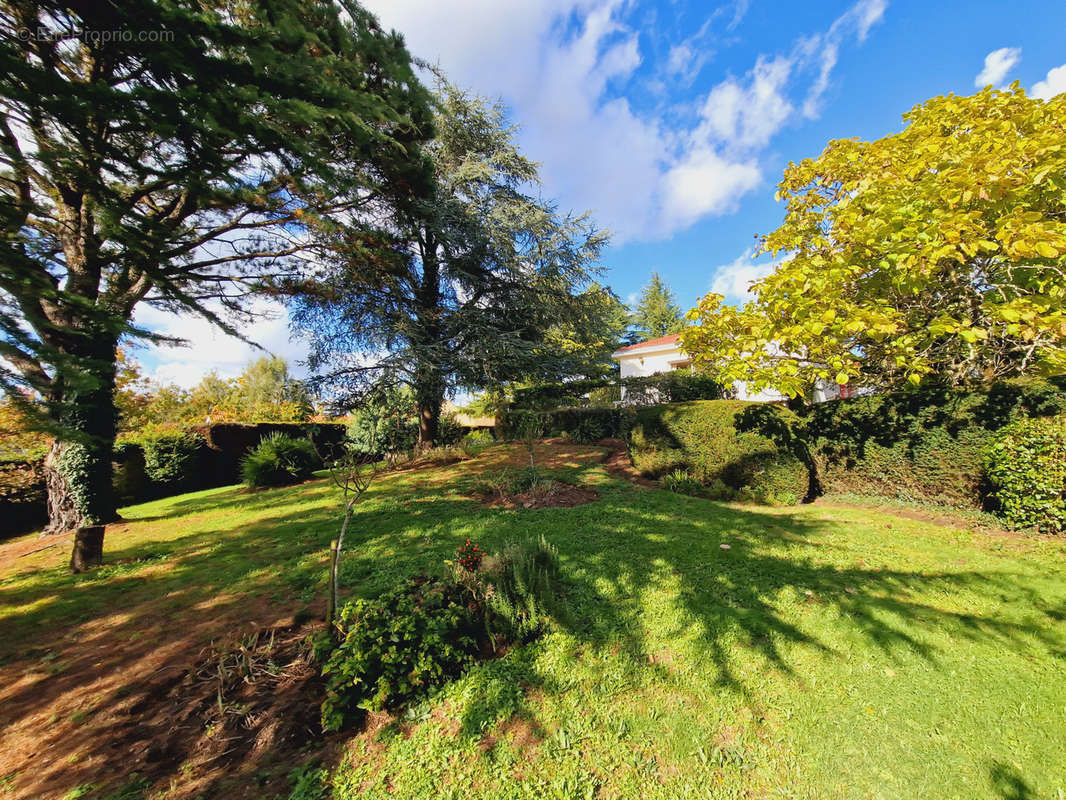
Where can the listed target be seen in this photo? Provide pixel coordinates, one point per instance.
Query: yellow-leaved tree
(936, 254)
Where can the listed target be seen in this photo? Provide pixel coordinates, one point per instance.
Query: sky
(671, 121)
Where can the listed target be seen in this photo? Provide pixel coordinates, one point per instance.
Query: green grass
(829, 652)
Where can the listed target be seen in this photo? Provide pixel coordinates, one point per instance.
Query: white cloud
(734, 280)
(866, 15)
(209, 348)
(1053, 84)
(743, 117)
(705, 183)
(824, 49)
(563, 66)
(997, 64)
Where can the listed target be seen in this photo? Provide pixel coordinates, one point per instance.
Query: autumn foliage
(936, 254)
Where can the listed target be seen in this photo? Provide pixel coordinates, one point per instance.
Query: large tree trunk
(429, 378)
(430, 396)
(77, 469)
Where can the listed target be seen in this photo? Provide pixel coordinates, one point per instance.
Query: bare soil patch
(145, 696)
(555, 494)
(617, 463)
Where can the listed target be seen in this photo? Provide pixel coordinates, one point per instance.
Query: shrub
(475, 443)
(590, 428)
(1027, 469)
(522, 587)
(703, 439)
(667, 387)
(399, 645)
(171, 459)
(129, 477)
(585, 425)
(469, 556)
(777, 478)
(681, 482)
(449, 432)
(371, 433)
(279, 460)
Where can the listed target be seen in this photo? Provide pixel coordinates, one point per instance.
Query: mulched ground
(560, 495)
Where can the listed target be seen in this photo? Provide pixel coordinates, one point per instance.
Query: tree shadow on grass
(1008, 783)
(614, 552)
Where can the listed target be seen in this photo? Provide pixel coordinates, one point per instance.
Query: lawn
(716, 650)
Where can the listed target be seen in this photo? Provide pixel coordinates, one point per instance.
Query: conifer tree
(657, 314)
(178, 154)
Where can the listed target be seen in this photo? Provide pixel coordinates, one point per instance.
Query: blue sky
(672, 121)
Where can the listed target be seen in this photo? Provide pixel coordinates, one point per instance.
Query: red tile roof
(672, 338)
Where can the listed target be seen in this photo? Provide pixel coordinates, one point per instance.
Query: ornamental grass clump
(279, 460)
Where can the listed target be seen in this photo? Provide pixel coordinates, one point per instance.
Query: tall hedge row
(927, 445)
(159, 465)
(585, 425)
(666, 387)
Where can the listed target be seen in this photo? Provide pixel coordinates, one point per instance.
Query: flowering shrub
(469, 556)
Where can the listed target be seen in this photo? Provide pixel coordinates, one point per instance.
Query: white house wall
(640, 365)
(651, 364)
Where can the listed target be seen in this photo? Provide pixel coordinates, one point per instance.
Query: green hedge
(172, 460)
(926, 445)
(585, 425)
(1027, 471)
(668, 387)
(22, 495)
(703, 438)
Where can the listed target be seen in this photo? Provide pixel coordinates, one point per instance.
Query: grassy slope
(830, 652)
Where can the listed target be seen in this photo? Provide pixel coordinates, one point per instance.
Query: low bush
(400, 645)
(681, 482)
(279, 460)
(475, 443)
(1027, 470)
(705, 440)
(777, 479)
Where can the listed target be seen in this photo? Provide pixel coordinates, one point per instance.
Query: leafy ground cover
(721, 650)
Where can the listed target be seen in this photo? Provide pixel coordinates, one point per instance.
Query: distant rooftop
(662, 341)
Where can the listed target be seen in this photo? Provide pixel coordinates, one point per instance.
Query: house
(665, 354)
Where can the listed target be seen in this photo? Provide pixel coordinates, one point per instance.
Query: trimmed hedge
(926, 445)
(703, 438)
(23, 504)
(584, 425)
(226, 444)
(667, 387)
(159, 465)
(172, 461)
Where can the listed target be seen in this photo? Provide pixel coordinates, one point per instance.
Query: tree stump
(88, 548)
